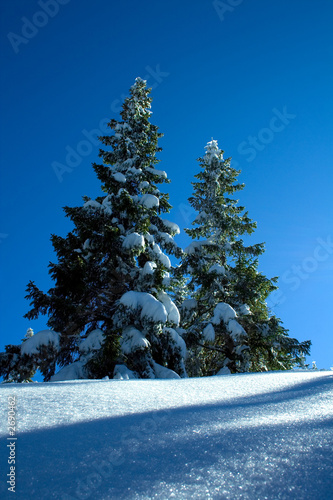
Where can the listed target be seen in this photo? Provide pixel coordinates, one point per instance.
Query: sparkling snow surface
(252, 436)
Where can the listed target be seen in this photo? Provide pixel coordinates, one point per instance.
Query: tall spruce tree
(110, 302)
(226, 322)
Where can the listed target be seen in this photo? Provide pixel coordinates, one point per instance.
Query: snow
(153, 228)
(43, 338)
(150, 307)
(164, 259)
(213, 150)
(86, 244)
(178, 340)
(244, 310)
(143, 185)
(250, 436)
(122, 126)
(133, 240)
(189, 304)
(93, 342)
(149, 201)
(155, 171)
(167, 238)
(224, 371)
(195, 246)
(149, 238)
(235, 329)
(202, 216)
(172, 226)
(134, 171)
(121, 372)
(240, 348)
(164, 373)
(171, 308)
(107, 205)
(132, 339)
(92, 204)
(149, 268)
(129, 162)
(209, 333)
(223, 312)
(119, 177)
(217, 268)
(74, 371)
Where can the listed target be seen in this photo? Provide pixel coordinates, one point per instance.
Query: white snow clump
(43, 338)
(228, 315)
(132, 339)
(74, 371)
(133, 240)
(149, 201)
(171, 308)
(121, 372)
(209, 333)
(93, 342)
(217, 268)
(150, 307)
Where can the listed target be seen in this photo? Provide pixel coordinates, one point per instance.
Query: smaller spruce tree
(227, 324)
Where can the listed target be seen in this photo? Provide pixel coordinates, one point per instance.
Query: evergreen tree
(226, 322)
(110, 303)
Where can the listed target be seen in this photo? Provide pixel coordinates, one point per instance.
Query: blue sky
(256, 76)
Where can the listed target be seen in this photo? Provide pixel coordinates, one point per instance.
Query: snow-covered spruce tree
(227, 323)
(110, 302)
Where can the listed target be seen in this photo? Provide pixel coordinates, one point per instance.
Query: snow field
(251, 436)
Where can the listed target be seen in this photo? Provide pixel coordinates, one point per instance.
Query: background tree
(109, 302)
(227, 325)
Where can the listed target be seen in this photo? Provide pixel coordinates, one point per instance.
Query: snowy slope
(251, 436)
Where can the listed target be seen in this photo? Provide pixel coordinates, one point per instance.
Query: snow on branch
(171, 226)
(155, 171)
(217, 268)
(93, 342)
(164, 259)
(171, 308)
(150, 307)
(195, 246)
(132, 339)
(149, 201)
(224, 312)
(43, 338)
(133, 240)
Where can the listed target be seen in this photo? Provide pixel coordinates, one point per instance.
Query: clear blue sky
(254, 75)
